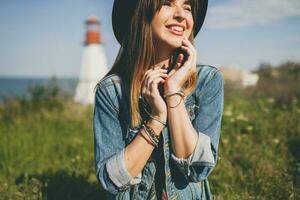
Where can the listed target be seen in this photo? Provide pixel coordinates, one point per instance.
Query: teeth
(176, 28)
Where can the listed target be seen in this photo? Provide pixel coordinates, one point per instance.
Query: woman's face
(172, 23)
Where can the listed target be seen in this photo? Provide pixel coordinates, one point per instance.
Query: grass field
(46, 149)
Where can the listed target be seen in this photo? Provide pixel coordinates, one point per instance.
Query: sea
(12, 87)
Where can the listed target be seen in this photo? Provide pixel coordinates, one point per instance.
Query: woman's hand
(150, 92)
(182, 71)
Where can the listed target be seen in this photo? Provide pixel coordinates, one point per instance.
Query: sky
(45, 38)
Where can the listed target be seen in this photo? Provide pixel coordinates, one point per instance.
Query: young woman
(157, 115)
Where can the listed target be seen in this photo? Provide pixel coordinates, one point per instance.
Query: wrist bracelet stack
(151, 134)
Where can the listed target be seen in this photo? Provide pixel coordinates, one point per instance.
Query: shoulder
(208, 77)
(108, 81)
(108, 90)
(208, 72)
(112, 84)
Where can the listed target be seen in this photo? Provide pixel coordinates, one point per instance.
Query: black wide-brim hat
(123, 10)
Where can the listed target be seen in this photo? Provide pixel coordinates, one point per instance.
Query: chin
(174, 44)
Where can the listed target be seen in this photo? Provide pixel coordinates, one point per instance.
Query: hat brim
(122, 13)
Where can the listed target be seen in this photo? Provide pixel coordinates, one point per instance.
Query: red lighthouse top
(93, 31)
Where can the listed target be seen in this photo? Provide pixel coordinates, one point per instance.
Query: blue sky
(45, 38)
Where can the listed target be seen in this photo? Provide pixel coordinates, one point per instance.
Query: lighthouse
(94, 64)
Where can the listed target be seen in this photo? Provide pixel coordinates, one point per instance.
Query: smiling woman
(171, 23)
(157, 114)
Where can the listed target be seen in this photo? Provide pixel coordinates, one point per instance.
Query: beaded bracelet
(153, 143)
(150, 132)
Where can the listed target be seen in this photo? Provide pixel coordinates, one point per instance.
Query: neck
(163, 58)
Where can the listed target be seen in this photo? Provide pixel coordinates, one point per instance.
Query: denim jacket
(184, 178)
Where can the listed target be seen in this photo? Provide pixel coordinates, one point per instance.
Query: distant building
(94, 64)
(241, 77)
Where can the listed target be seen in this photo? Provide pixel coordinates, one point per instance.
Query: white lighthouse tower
(94, 64)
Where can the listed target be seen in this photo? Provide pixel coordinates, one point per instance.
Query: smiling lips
(176, 29)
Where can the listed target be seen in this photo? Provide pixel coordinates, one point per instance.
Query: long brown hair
(137, 53)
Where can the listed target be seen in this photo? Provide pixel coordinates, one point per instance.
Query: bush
(281, 82)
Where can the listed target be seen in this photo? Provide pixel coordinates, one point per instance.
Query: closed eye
(188, 8)
(166, 3)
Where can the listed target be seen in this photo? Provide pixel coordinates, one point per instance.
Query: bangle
(163, 123)
(179, 92)
(158, 120)
(176, 104)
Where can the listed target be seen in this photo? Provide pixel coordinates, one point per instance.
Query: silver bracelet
(163, 123)
(179, 92)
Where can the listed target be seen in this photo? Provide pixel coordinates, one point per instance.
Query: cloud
(238, 13)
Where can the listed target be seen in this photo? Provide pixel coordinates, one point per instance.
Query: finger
(161, 75)
(154, 76)
(171, 72)
(145, 76)
(158, 70)
(187, 50)
(191, 59)
(164, 66)
(187, 43)
(148, 71)
(154, 73)
(192, 55)
(154, 84)
(190, 51)
(179, 61)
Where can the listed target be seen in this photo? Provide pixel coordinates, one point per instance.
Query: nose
(179, 13)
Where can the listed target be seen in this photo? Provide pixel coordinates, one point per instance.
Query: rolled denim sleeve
(118, 173)
(207, 123)
(201, 154)
(109, 145)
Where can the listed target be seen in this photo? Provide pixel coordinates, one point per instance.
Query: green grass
(46, 147)
(46, 150)
(259, 156)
